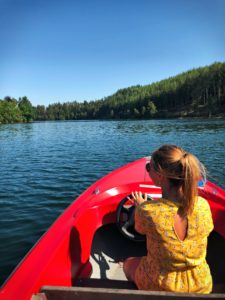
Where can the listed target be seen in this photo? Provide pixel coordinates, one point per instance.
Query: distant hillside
(196, 93)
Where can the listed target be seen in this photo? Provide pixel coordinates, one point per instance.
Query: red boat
(80, 255)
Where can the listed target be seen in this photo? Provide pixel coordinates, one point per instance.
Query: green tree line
(13, 110)
(196, 93)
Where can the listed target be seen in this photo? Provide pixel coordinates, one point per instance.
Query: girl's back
(173, 263)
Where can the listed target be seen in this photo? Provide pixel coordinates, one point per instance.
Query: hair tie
(184, 155)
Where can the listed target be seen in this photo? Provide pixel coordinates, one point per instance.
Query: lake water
(45, 166)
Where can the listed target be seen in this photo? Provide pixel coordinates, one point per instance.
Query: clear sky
(66, 50)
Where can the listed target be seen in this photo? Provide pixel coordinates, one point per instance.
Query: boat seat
(90, 293)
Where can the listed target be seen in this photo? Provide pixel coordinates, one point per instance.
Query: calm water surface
(45, 166)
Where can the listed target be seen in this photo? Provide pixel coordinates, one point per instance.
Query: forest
(199, 92)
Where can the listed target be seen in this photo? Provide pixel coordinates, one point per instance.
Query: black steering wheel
(125, 219)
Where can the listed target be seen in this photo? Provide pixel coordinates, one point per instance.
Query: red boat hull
(62, 255)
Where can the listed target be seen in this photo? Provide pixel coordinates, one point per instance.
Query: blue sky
(57, 51)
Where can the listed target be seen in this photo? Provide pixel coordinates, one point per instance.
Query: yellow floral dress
(171, 264)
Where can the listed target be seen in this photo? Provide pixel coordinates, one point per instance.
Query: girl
(176, 227)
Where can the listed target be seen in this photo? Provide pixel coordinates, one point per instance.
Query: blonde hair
(182, 169)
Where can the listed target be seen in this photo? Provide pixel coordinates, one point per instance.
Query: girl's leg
(129, 267)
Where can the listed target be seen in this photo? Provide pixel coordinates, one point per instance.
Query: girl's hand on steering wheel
(138, 197)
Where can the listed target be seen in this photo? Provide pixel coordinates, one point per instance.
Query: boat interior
(110, 248)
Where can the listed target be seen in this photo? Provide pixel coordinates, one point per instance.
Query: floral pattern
(172, 264)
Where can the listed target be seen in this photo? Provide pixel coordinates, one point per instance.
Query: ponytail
(193, 170)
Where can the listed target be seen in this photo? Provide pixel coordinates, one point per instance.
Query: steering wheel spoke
(125, 220)
(126, 225)
(126, 210)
